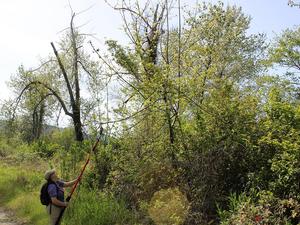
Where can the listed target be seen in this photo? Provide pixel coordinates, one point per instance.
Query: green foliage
(5, 148)
(19, 191)
(93, 207)
(44, 148)
(123, 57)
(286, 49)
(209, 144)
(218, 36)
(280, 144)
(168, 207)
(62, 137)
(263, 208)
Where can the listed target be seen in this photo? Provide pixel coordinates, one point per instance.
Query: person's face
(54, 177)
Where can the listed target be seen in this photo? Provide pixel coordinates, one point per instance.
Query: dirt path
(6, 218)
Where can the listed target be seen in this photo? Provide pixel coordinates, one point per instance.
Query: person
(56, 192)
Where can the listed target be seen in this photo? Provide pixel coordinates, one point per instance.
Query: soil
(7, 218)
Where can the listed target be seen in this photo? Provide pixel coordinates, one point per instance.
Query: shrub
(5, 149)
(262, 209)
(168, 207)
(92, 207)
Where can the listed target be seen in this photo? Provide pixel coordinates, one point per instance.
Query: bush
(286, 169)
(168, 207)
(92, 207)
(263, 208)
(45, 149)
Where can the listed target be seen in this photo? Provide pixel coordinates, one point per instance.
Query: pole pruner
(80, 175)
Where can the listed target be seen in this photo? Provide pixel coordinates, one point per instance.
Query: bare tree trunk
(40, 121)
(77, 125)
(37, 121)
(75, 102)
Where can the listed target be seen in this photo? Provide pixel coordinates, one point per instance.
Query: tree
(218, 61)
(207, 137)
(285, 52)
(32, 105)
(146, 62)
(73, 63)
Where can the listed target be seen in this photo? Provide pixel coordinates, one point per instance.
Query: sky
(28, 27)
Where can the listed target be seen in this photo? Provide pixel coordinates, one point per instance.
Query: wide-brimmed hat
(48, 174)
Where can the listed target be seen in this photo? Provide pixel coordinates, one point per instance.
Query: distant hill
(50, 128)
(46, 128)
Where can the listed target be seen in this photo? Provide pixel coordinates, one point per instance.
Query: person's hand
(66, 204)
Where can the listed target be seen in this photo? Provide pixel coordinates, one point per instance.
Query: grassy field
(19, 192)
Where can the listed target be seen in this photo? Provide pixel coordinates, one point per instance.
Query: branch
(133, 12)
(43, 64)
(179, 39)
(85, 69)
(42, 99)
(58, 115)
(130, 116)
(62, 103)
(117, 73)
(127, 29)
(64, 74)
(75, 61)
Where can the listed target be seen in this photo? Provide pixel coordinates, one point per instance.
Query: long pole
(79, 178)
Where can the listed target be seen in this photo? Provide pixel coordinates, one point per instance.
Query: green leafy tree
(218, 117)
(285, 51)
(209, 137)
(65, 76)
(30, 108)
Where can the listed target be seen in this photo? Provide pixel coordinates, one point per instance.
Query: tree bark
(77, 125)
(75, 103)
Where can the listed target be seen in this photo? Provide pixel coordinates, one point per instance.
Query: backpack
(44, 195)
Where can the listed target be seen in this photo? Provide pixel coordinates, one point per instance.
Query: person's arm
(70, 183)
(56, 202)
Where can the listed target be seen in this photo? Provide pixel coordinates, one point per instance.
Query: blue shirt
(57, 191)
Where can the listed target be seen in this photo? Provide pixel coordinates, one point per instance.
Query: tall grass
(97, 208)
(19, 191)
